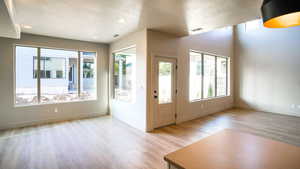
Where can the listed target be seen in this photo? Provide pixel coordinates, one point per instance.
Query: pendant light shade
(281, 13)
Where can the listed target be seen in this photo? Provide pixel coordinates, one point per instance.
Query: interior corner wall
(11, 116)
(219, 42)
(133, 113)
(267, 69)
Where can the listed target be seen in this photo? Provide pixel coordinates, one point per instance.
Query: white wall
(11, 116)
(219, 42)
(267, 69)
(133, 113)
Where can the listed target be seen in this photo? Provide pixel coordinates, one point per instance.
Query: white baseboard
(189, 118)
(50, 120)
(266, 111)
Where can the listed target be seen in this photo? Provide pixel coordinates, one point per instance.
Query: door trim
(154, 104)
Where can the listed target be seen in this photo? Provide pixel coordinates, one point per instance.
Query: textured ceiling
(99, 20)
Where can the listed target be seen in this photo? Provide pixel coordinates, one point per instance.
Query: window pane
(124, 74)
(165, 83)
(209, 76)
(221, 76)
(58, 75)
(195, 76)
(88, 75)
(26, 84)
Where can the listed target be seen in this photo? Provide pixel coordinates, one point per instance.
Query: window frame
(216, 75)
(38, 79)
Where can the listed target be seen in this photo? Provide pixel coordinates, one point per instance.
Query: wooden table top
(231, 149)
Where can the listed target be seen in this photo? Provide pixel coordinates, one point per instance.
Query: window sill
(207, 99)
(52, 103)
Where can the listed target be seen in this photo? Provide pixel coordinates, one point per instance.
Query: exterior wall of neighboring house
(26, 76)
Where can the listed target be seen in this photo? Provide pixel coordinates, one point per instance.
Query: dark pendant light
(281, 13)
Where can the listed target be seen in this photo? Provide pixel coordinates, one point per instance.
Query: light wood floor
(105, 143)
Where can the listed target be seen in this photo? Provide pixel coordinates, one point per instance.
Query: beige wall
(219, 42)
(267, 69)
(11, 116)
(163, 45)
(133, 113)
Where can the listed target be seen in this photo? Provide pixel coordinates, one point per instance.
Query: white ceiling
(8, 26)
(98, 20)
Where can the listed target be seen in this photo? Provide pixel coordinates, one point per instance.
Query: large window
(208, 76)
(124, 74)
(51, 76)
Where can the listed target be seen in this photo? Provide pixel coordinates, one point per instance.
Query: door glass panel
(165, 83)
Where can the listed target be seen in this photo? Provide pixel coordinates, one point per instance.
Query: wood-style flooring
(106, 143)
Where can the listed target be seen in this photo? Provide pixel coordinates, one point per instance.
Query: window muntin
(124, 74)
(57, 79)
(208, 76)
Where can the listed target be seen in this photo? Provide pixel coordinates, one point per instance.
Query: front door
(164, 91)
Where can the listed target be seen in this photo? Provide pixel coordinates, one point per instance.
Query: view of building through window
(124, 74)
(208, 76)
(26, 84)
(54, 89)
(58, 75)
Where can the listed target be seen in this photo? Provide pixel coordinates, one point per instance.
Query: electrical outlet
(55, 109)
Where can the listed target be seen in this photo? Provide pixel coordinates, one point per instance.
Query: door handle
(155, 96)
